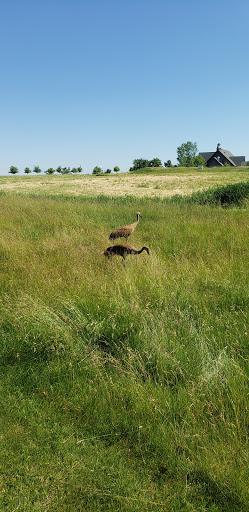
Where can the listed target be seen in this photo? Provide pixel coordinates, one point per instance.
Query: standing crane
(123, 250)
(125, 231)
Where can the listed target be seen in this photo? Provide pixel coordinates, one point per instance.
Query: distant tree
(59, 169)
(199, 160)
(108, 171)
(37, 169)
(74, 170)
(50, 170)
(186, 154)
(168, 163)
(116, 169)
(156, 162)
(65, 170)
(13, 170)
(97, 170)
(139, 163)
(247, 163)
(27, 170)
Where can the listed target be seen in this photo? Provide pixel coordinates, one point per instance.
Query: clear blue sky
(102, 82)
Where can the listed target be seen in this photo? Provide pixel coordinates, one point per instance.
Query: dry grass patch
(155, 184)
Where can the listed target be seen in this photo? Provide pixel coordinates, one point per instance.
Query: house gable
(222, 157)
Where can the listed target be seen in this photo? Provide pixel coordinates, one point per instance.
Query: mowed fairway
(123, 387)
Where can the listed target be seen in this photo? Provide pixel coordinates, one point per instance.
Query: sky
(104, 82)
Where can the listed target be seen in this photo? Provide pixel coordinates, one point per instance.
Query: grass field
(158, 183)
(123, 387)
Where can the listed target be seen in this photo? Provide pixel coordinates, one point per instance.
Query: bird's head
(139, 215)
(147, 250)
(107, 252)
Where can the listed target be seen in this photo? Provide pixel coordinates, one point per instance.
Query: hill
(158, 182)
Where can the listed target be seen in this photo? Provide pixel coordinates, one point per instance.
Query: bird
(123, 250)
(125, 231)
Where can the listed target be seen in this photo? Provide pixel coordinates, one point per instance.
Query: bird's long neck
(138, 217)
(141, 250)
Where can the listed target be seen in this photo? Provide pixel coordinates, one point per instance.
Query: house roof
(214, 154)
(207, 155)
(226, 154)
(233, 160)
(238, 159)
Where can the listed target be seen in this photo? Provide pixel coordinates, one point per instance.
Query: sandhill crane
(125, 231)
(123, 250)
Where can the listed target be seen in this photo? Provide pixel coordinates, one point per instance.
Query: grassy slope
(123, 387)
(157, 171)
(158, 183)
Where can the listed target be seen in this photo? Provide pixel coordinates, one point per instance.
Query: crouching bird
(123, 250)
(125, 231)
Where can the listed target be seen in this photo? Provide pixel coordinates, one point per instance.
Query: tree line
(37, 170)
(186, 156)
(62, 170)
(98, 170)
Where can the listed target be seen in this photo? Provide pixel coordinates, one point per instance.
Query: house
(222, 157)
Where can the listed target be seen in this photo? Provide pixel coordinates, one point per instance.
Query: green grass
(226, 195)
(153, 182)
(187, 171)
(123, 387)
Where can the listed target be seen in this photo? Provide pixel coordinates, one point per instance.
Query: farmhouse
(222, 157)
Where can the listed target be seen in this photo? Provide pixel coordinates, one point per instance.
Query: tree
(156, 162)
(139, 163)
(168, 163)
(186, 153)
(116, 169)
(59, 169)
(13, 170)
(199, 160)
(50, 170)
(74, 170)
(65, 170)
(97, 170)
(108, 171)
(37, 169)
(27, 170)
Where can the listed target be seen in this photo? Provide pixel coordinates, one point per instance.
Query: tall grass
(123, 387)
(225, 195)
